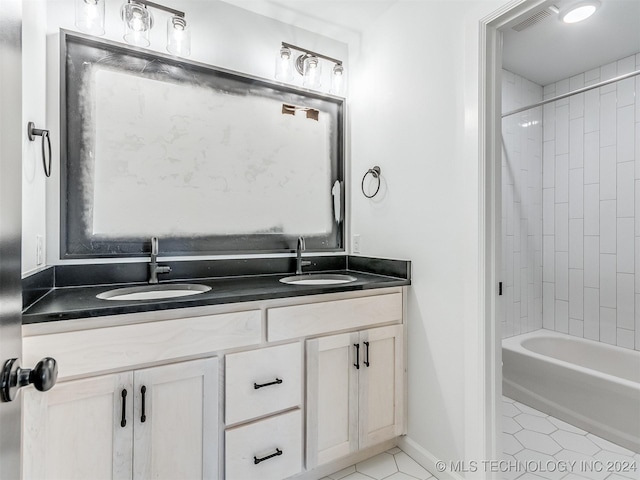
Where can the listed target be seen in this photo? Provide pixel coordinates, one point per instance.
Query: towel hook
(34, 132)
(375, 172)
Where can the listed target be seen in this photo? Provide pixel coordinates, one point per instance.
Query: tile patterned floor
(394, 464)
(532, 436)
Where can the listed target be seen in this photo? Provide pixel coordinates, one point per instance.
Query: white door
(80, 429)
(176, 421)
(11, 138)
(381, 385)
(332, 397)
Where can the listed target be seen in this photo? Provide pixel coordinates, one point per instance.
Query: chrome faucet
(299, 262)
(154, 268)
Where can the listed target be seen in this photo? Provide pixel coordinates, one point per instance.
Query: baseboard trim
(426, 459)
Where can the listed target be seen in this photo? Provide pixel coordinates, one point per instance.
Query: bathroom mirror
(208, 160)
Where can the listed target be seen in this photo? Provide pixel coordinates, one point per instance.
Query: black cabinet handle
(123, 422)
(366, 354)
(143, 417)
(278, 381)
(357, 364)
(257, 460)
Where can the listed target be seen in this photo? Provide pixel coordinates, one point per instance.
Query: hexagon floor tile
(393, 464)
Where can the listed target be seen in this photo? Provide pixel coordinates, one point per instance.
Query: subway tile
(516, 277)
(549, 91)
(562, 276)
(591, 157)
(608, 328)
(625, 134)
(548, 164)
(509, 260)
(608, 173)
(576, 243)
(549, 255)
(607, 226)
(576, 292)
(625, 301)
(592, 261)
(608, 115)
(562, 179)
(562, 316)
(608, 72)
(548, 211)
(576, 82)
(637, 315)
(626, 92)
(562, 227)
(625, 245)
(576, 106)
(626, 65)
(637, 89)
(508, 200)
(592, 76)
(576, 193)
(562, 87)
(576, 143)
(592, 313)
(516, 225)
(591, 209)
(637, 263)
(625, 185)
(608, 278)
(637, 206)
(549, 122)
(549, 305)
(591, 111)
(562, 130)
(625, 338)
(576, 327)
(524, 292)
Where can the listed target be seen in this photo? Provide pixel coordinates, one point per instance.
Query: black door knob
(43, 377)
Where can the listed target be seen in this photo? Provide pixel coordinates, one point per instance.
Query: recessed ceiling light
(579, 11)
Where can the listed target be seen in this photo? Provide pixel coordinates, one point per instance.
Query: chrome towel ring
(375, 172)
(34, 132)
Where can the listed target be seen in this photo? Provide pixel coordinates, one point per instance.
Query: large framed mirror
(208, 160)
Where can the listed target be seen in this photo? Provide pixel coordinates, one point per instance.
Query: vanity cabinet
(354, 392)
(159, 422)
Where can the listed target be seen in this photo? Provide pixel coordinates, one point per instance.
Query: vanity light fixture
(580, 11)
(309, 65)
(138, 22)
(90, 16)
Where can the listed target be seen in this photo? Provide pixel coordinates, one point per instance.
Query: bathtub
(589, 384)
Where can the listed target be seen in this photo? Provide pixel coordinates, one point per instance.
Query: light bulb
(137, 23)
(178, 37)
(284, 65)
(312, 70)
(90, 16)
(337, 80)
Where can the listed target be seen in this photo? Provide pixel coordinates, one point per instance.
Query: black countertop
(70, 293)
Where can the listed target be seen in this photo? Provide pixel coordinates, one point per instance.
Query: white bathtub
(589, 384)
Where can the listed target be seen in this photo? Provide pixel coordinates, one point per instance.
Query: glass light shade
(284, 65)
(312, 72)
(337, 80)
(137, 23)
(178, 37)
(579, 12)
(90, 16)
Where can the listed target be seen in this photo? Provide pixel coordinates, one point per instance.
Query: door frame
(490, 221)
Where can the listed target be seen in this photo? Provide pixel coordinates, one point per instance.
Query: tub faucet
(299, 262)
(154, 268)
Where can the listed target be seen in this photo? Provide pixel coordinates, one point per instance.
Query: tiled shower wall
(521, 207)
(591, 207)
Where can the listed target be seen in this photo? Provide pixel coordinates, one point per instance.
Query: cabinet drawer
(276, 371)
(248, 444)
(317, 318)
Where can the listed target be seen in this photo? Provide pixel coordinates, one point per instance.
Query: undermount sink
(154, 292)
(318, 279)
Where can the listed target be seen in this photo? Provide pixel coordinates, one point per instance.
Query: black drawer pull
(357, 364)
(257, 460)
(143, 417)
(123, 422)
(278, 381)
(366, 354)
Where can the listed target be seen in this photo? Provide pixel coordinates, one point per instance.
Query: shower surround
(571, 207)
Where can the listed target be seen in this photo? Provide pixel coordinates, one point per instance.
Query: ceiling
(551, 50)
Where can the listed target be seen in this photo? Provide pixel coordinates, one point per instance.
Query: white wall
(592, 207)
(414, 112)
(222, 35)
(521, 207)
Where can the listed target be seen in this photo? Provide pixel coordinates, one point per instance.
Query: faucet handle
(154, 245)
(301, 243)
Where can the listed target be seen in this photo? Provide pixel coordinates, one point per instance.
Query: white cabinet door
(381, 385)
(332, 398)
(176, 421)
(76, 430)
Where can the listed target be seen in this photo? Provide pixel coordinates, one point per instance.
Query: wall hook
(34, 132)
(375, 172)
